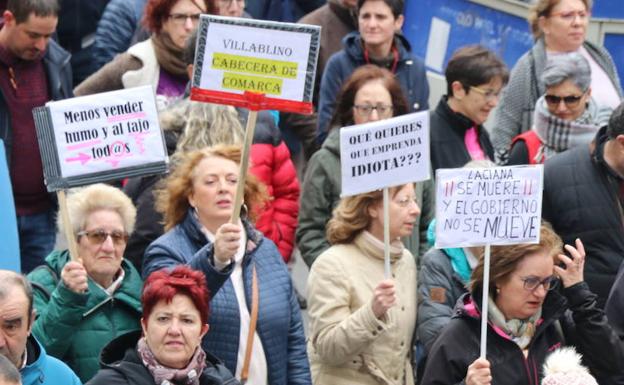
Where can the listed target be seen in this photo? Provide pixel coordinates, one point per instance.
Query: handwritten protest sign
(497, 206)
(385, 153)
(238, 59)
(100, 137)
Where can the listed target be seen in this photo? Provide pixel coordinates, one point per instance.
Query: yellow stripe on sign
(262, 85)
(252, 65)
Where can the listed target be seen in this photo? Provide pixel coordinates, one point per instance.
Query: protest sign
(101, 137)
(496, 206)
(255, 64)
(385, 153)
(8, 223)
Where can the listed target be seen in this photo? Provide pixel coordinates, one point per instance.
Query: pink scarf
(164, 375)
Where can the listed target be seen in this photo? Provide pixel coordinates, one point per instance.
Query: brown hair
(351, 216)
(157, 11)
(543, 8)
(473, 66)
(343, 114)
(505, 259)
(172, 198)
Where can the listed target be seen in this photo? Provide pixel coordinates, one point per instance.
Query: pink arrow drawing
(82, 158)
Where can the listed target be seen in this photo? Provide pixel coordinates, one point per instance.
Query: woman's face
(232, 8)
(557, 105)
(372, 102)
(377, 23)
(403, 210)
(477, 102)
(173, 331)
(565, 27)
(183, 19)
(213, 190)
(513, 299)
(101, 245)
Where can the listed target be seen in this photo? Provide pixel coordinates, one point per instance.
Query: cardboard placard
(100, 137)
(497, 206)
(255, 64)
(385, 153)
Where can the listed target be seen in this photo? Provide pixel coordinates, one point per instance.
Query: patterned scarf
(520, 331)
(169, 55)
(558, 135)
(166, 376)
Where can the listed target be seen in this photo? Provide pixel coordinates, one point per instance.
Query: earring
(498, 290)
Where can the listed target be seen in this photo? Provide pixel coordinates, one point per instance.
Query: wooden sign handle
(69, 233)
(244, 165)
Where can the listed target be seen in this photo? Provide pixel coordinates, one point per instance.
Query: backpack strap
(37, 285)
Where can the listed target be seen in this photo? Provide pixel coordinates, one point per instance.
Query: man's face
(15, 325)
(29, 40)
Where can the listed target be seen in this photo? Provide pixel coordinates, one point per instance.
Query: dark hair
(343, 114)
(616, 122)
(164, 284)
(157, 11)
(21, 9)
(395, 5)
(474, 65)
(8, 371)
(10, 279)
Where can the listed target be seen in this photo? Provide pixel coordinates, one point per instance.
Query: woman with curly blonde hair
(197, 203)
(361, 324)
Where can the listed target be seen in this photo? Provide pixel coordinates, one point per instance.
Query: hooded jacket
(44, 369)
(571, 319)
(122, 365)
(410, 73)
(75, 327)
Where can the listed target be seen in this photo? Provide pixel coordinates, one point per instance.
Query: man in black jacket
(33, 70)
(583, 197)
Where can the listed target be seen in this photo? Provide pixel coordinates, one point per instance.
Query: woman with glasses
(157, 61)
(474, 78)
(565, 116)
(85, 302)
(361, 322)
(558, 26)
(370, 94)
(537, 303)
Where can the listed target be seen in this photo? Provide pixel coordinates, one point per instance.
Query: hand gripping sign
(98, 138)
(488, 206)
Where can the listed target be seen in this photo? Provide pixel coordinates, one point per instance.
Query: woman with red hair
(175, 315)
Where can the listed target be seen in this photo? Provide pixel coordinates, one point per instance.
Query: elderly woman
(83, 304)
(527, 319)
(565, 116)
(158, 60)
(559, 26)
(175, 318)
(362, 324)
(370, 94)
(245, 273)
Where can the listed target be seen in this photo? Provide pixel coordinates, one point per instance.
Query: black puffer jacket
(121, 365)
(581, 324)
(581, 201)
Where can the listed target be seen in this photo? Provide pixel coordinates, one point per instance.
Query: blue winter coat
(46, 370)
(410, 73)
(279, 319)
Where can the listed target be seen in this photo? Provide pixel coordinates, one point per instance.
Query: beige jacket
(347, 343)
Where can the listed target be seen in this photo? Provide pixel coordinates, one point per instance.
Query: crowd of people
(166, 286)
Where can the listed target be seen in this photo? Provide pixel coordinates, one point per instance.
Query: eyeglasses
(570, 16)
(489, 95)
(532, 283)
(180, 18)
(570, 101)
(99, 236)
(406, 201)
(227, 3)
(365, 110)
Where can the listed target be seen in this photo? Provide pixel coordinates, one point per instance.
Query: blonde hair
(81, 202)
(172, 196)
(543, 8)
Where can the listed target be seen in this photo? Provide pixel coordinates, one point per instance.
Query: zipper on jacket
(94, 308)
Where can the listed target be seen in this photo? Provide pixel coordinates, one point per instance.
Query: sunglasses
(97, 237)
(570, 101)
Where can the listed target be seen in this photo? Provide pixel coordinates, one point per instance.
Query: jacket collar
(458, 122)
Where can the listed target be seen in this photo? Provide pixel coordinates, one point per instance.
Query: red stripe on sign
(251, 100)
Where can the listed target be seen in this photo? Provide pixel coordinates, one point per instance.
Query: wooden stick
(386, 222)
(244, 165)
(484, 299)
(69, 233)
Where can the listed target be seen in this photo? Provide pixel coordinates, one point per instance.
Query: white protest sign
(497, 206)
(385, 153)
(102, 135)
(237, 55)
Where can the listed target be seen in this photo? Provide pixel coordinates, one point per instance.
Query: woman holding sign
(255, 322)
(370, 94)
(361, 325)
(538, 302)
